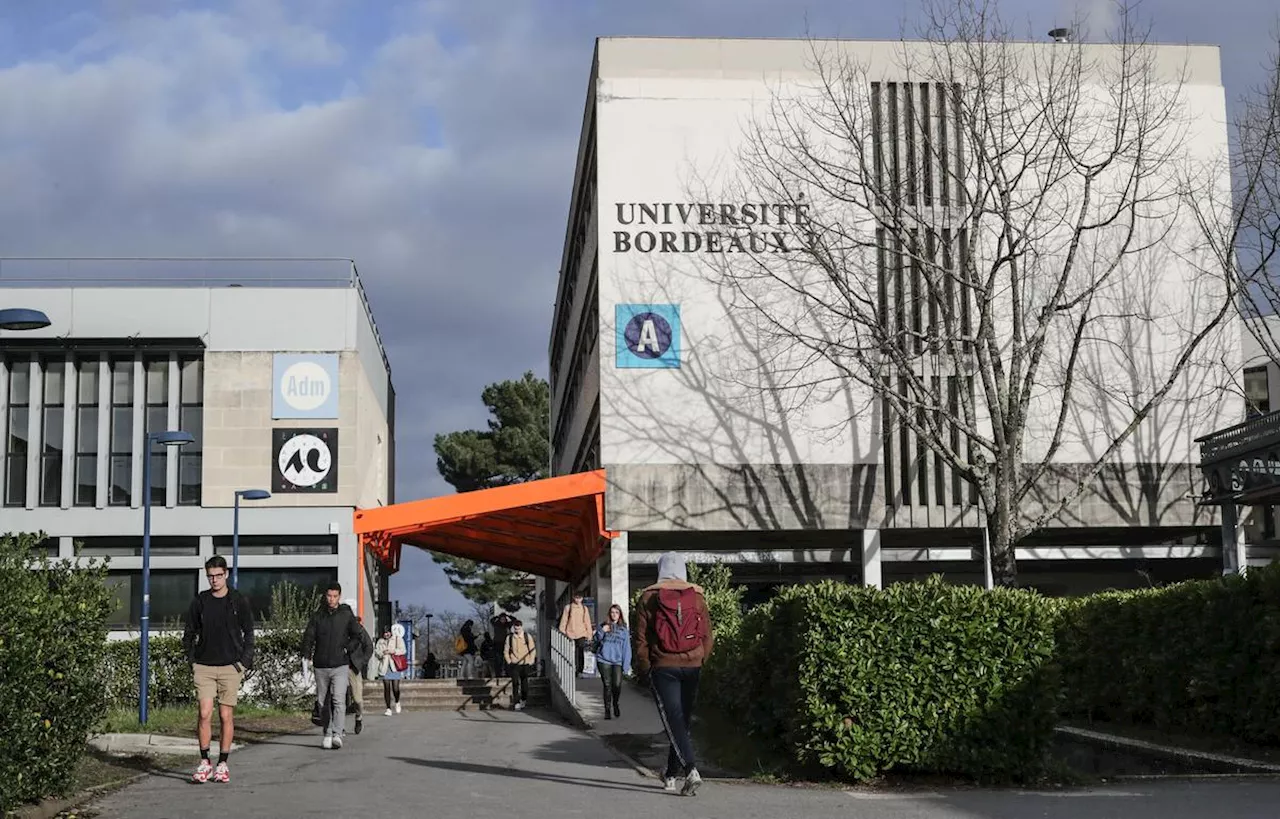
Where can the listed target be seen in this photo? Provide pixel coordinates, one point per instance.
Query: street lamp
(22, 318)
(247, 494)
(173, 437)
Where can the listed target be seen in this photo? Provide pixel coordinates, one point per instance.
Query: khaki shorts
(222, 680)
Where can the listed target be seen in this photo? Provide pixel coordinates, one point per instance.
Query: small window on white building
(1257, 391)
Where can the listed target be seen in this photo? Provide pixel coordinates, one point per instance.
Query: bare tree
(1255, 238)
(981, 236)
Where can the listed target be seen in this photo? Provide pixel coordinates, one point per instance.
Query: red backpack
(678, 623)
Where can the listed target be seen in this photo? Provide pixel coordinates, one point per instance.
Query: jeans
(333, 682)
(611, 676)
(519, 682)
(675, 690)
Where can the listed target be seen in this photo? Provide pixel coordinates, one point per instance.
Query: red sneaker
(222, 773)
(203, 772)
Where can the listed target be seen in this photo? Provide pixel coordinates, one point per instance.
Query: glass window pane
(1257, 390)
(157, 381)
(171, 594)
(157, 419)
(121, 585)
(192, 381)
(18, 431)
(54, 381)
(86, 480)
(192, 420)
(121, 479)
(189, 479)
(15, 482)
(158, 477)
(52, 430)
(87, 430)
(122, 381)
(19, 381)
(87, 389)
(51, 481)
(122, 430)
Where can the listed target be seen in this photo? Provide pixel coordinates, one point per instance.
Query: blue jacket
(615, 647)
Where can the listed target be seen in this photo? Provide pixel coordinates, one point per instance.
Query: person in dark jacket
(332, 638)
(218, 639)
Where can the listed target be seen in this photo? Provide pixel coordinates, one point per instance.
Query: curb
(1248, 767)
(48, 810)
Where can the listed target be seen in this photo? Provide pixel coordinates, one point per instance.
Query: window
(131, 546)
(15, 463)
(86, 466)
(190, 419)
(53, 411)
(256, 584)
(121, 469)
(157, 420)
(171, 595)
(277, 544)
(1257, 391)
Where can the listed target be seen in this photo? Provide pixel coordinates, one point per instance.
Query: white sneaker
(397, 708)
(337, 743)
(519, 706)
(669, 784)
(691, 783)
(386, 713)
(328, 742)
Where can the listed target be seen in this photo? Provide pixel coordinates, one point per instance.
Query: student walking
(613, 650)
(575, 623)
(520, 654)
(218, 640)
(331, 638)
(673, 640)
(392, 661)
(356, 667)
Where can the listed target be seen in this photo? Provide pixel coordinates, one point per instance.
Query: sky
(433, 141)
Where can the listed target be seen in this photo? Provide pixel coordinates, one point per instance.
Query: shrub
(1201, 656)
(53, 628)
(922, 676)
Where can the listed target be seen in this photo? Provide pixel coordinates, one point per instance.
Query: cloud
(431, 141)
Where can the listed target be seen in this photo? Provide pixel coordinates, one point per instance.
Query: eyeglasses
(218, 576)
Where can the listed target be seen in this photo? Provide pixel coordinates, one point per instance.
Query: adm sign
(304, 385)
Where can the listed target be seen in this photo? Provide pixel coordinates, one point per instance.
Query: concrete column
(348, 558)
(1234, 551)
(871, 575)
(620, 574)
(171, 452)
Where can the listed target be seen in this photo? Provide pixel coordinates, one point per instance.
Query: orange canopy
(552, 527)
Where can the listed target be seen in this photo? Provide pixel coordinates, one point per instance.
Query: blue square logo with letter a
(648, 336)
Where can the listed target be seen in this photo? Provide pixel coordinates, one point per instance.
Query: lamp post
(22, 318)
(247, 494)
(173, 437)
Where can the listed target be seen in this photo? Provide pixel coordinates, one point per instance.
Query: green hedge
(1200, 656)
(272, 682)
(921, 676)
(53, 628)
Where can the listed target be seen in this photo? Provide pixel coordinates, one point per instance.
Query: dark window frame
(86, 448)
(49, 465)
(15, 486)
(191, 456)
(114, 454)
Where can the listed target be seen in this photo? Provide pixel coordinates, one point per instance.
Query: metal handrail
(563, 668)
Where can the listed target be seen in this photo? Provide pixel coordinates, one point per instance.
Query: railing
(563, 669)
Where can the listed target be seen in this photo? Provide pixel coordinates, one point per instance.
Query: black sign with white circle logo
(305, 460)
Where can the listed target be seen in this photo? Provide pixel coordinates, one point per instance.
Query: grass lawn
(253, 724)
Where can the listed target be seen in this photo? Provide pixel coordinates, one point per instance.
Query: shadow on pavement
(469, 767)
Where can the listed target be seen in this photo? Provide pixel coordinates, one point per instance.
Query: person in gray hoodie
(673, 639)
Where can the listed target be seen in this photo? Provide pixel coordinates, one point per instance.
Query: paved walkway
(505, 764)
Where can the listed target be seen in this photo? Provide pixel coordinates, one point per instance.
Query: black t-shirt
(216, 646)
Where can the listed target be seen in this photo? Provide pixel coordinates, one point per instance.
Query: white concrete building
(277, 370)
(794, 491)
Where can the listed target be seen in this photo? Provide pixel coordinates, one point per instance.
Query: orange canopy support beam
(553, 527)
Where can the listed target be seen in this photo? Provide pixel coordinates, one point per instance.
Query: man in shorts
(219, 643)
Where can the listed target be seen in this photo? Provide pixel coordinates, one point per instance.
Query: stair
(455, 694)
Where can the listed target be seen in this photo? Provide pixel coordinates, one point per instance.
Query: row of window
(189, 545)
(172, 592)
(77, 402)
(583, 348)
(584, 204)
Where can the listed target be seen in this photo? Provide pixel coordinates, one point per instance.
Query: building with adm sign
(274, 366)
(648, 357)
